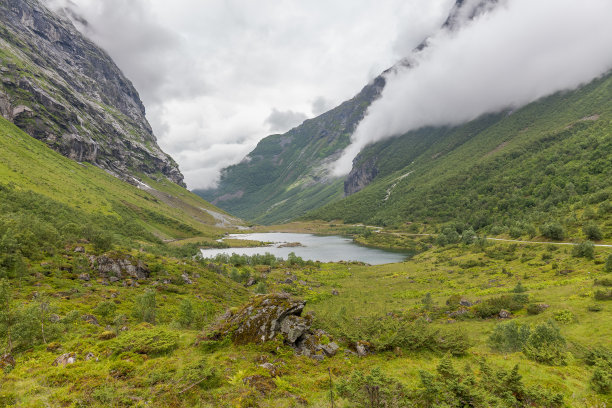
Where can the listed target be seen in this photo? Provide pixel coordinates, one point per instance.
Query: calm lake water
(314, 247)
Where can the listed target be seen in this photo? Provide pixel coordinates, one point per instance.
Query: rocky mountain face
(62, 89)
(288, 175)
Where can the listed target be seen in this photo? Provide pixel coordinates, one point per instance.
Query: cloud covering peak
(506, 57)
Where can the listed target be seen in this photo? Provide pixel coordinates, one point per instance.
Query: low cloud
(508, 57)
(282, 121)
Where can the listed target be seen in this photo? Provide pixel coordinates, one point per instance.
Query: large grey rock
(293, 327)
(65, 359)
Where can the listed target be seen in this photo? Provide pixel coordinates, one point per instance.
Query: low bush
(601, 360)
(491, 307)
(603, 294)
(564, 316)
(584, 249)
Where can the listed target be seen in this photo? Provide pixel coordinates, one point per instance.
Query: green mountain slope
(83, 193)
(550, 160)
(286, 175)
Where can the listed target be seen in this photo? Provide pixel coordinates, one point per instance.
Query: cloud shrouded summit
(505, 58)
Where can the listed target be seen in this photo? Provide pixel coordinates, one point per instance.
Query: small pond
(311, 247)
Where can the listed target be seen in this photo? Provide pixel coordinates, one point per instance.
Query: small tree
(592, 231)
(584, 249)
(144, 307)
(553, 231)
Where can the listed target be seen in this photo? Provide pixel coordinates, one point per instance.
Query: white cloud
(210, 72)
(516, 54)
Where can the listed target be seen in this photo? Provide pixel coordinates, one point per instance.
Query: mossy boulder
(261, 320)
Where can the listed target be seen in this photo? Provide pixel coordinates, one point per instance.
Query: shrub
(536, 308)
(106, 310)
(373, 389)
(608, 266)
(509, 337)
(592, 231)
(519, 288)
(564, 316)
(185, 315)
(584, 249)
(546, 345)
(145, 341)
(603, 295)
(601, 360)
(492, 307)
(554, 231)
(144, 307)
(595, 308)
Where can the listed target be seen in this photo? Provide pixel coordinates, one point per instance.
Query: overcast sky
(216, 76)
(515, 54)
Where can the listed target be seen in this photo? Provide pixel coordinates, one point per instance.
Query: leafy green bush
(106, 310)
(564, 316)
(608, 266)
(592, 231)
(554, 231)
(186, 314)
(509, 337)
(584, 249)
(603, 294)
(145, 341)
(372, 390)
(601, 360)
(546, 345)
(536, 308)
(145, 307)
(492, 307)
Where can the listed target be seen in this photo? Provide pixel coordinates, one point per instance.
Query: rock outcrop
(271, 318)
(360, 176)
(119, 267)
(62, 89)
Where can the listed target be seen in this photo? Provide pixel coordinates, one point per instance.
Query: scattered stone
(54, 318)
(504, 314)
(65, 359)
(186, 279)
(330, 349)
(91, 356)
(91, 319)
(196, 275)
(79, 249)
(250, 282)
(113, 279)
(335, 292)
(465, 302)
(7, 360)
(362, 348)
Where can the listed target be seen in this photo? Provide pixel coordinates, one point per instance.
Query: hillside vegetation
(548, 162)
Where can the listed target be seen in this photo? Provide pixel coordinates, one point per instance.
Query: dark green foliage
(584, 249)
(603, 294)
(601, 360)
(592, 232)
(7, 314)
(546, 345)
(106, 310)
(145, 341)
(509, 337)
(492, 306)
(608, 266)
(387, 333)
(519, 288)
(373, 390)
(535, 308)
(145, 307)
(553, 231)
(447, 387)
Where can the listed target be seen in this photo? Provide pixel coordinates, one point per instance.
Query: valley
(463, 265)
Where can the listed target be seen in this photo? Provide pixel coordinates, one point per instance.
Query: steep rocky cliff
(62, 89)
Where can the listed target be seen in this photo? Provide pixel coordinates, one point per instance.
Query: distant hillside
(61, 88)
(550, 160)
(39, 186)
(288, 175)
